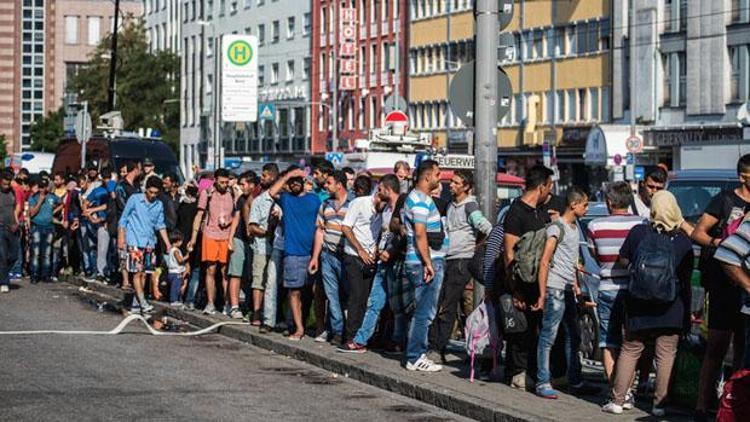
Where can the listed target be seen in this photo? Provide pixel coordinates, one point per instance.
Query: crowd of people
(385, 262)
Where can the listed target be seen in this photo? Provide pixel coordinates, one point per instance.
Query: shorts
(610, 308)
(724, 304)
(237, 259)
(260, 264)
(213, 250)
(295, 272)
(139, 260)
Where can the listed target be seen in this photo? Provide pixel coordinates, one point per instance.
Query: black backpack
(653, 273)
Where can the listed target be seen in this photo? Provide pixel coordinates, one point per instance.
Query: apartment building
(162, 20)
(682, 72)
(359, 51)
(559, 68)
(284, 29)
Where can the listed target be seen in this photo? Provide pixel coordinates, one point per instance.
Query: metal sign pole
(84, 135)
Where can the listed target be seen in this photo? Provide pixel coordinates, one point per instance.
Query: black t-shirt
(725, 207)
(642, 315)
(241, 232)
(521, 218)
(555, 203)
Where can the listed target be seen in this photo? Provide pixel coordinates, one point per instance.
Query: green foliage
(146, 88)
(3, 149)
(47, 131)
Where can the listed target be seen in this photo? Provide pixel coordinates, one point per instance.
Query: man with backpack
(525, 217)
(558, 288)
(605, 237)
(465, 223)
(216, 206)
(720, 219)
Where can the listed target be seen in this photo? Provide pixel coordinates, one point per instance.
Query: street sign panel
(394, 102)
(640, 173)
(83, 126)
(455, 161)
(505, 14)
(336, 158)
(239, 78)
(506, 50)
(634, 144)
(461, 94)
(617, 159)
(630, 158)
(396, 117)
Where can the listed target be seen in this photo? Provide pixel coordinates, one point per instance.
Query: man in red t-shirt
(20, 186)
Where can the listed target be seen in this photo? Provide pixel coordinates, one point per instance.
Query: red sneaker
(352, 347)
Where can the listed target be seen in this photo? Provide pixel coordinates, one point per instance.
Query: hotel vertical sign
(347, 49)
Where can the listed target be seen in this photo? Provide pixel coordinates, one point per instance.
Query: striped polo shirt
(605, 237)
(330, 216)
(419, 208)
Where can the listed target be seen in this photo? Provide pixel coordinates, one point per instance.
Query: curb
(436, 395)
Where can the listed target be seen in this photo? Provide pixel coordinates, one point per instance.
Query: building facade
(162, 20)
(283, 28)
(682, 72)
(359, 51)
(10, 70)
(558, 66)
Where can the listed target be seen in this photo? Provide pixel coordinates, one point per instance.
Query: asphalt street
(137, 376)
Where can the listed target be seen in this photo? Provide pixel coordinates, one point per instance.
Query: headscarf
(665, 213)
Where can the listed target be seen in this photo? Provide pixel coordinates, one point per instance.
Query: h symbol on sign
(239, 52)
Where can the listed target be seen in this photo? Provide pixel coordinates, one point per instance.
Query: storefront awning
(605, 142)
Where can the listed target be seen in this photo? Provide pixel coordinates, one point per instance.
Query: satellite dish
(743, 113)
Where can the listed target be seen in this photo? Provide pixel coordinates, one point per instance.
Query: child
(176, 268)
(558, 286)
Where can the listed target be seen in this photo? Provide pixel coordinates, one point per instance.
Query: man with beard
(217, 205)
(300, 211)
(655, 181)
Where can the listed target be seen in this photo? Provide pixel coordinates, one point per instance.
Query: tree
(3, 149)
(47, 131)
(147, 83)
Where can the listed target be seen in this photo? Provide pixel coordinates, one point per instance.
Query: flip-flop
(256, 323)
(295, 337)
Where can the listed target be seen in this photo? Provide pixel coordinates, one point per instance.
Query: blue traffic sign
(267, 111)
(640, 172)
(336, 158)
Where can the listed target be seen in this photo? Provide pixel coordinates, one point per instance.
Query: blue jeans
(175, 284)
(426, 297)
(17, 261)
(559, 306)
(332, 270)
(195, 281)
(88, 247)
(9, 246)
(41, 252)
(274, 278)
(375, 303)
(610, 309)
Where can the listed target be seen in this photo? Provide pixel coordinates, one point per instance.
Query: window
(538, 45)
(684, 14)
(261, 34)
(559, 106)
(307, 24)
(222, 7)
(261, 75)
(94, 29)
(71, 30)
(604, 35)
(248, 3)
(306, 68)
(323, 20)
(605, 104)
(682, 67)
(550, 104)
(261, 2)
(233, 7)
(248, 31)
(290, 27)
(209, 9)
(592, 36)
(275, 31)
(290, 70)
(274, 73)
(581, 31)
(572, 40)
(594, 103)
(559, 42)
(669, 26)
(668, 78)
(572, 106)
(582, 114)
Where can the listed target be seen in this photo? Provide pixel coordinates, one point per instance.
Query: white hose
(121, 326)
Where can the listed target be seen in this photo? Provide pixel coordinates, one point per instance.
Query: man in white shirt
(655, 181)
(361, 226)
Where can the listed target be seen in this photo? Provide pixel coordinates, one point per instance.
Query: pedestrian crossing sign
(267, 111)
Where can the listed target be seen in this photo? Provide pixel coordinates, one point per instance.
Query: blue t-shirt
(44, 217)
(97, 197)
(300, 215)
(111, 185)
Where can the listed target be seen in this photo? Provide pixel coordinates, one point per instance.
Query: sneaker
(4, 289)
(227, 310)
(265, 329)
(423, 365)
(190, 306)
(53, 279)
(89, 279)
(545, 391)
(235, 313)
(337, 339)
(518, 381)
(146, 307)
(177, 304)
(658, 412)
(612, 408)
(352, 347)
(629, 401)
(322, 337)
(584, 389)
(210, 309)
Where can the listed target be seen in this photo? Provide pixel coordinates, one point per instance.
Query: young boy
(558, 286)
(177, 271)
(142, 217)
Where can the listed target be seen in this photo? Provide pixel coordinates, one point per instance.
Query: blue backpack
(653, 274)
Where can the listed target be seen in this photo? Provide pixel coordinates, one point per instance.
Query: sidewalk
(449, 389)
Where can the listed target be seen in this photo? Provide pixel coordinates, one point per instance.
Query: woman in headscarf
(650, 321)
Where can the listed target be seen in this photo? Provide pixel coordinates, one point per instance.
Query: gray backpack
(528, 252)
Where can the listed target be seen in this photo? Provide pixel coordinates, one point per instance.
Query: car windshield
(694, 195)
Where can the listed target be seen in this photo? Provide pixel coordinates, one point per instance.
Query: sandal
(295, 337)
(256, 323)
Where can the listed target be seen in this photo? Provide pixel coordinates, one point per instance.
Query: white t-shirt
(173, 266)
(365, 222)
(642, 209)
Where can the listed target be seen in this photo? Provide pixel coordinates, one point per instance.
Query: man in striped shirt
(426, 245)
(605, 238)
(328, 249)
